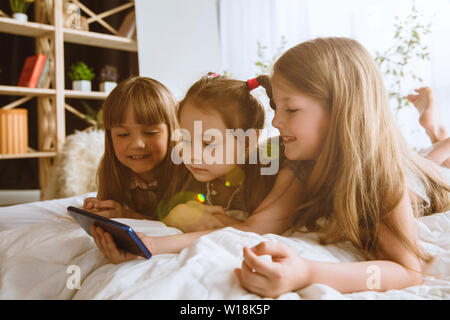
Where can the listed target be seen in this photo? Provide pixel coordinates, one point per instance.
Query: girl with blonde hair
(139, 116)
(361, 182)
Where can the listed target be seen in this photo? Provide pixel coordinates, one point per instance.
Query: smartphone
(124, 237)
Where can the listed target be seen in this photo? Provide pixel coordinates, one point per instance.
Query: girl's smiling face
(210, 120)
(302, 120)
(140, 147)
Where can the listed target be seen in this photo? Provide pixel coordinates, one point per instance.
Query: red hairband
(252, 84)
(212, 74)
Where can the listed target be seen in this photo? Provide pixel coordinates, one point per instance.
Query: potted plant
(19, 9)
(108, 78)
(398, 63)
(81, 76)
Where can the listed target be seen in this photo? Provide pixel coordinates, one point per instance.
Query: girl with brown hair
(139, 116)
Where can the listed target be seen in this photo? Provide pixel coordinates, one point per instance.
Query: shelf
(88, 38)
(52, 102)
(93, 95)
(99, 40)
(24, 91)
(29, 29)
(34, 154)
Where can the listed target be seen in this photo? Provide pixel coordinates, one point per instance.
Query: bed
(43, 254)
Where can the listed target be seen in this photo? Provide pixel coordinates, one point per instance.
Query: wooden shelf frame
(23, 91)
(27, 29)
(99, 40)
(87, 38)
(50, 38)
(29, 154)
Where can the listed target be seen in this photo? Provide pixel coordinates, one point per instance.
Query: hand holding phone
(121, 235)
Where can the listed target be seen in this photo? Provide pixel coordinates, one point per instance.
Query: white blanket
(40, 249)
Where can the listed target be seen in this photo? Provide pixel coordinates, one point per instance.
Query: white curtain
(242, 23)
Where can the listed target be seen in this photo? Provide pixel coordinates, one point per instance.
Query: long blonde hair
(152, 103)
(360, 175)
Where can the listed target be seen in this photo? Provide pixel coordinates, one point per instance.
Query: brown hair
(360, 176)
(152, 103)
(239, 109)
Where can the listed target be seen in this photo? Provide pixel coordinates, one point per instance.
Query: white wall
(178, 41)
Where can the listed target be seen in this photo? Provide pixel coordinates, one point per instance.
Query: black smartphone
(124, 237)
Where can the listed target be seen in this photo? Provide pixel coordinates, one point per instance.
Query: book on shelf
(31, 71)
(128, 27)
(42, 83)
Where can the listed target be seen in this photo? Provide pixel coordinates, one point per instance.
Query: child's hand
(286, 272)
(194, 216)
(105, 208)
(89, 203)
(107, 246)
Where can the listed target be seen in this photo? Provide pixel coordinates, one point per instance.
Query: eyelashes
(149, 133)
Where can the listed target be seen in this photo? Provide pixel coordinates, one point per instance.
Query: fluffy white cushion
(75, 168)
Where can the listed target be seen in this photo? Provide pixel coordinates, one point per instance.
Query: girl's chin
(291, 155)
(142, 170)
(295, 156)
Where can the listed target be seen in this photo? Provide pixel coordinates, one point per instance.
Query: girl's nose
(139, 143)
(276, 122)
(197, 152)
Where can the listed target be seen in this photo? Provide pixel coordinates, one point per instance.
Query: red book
(31, 71)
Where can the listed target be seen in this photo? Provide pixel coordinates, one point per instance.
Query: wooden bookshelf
(99, 40)
(93, 95)
(51, 35)
(23, 91)
(27, 29)
(30, 154)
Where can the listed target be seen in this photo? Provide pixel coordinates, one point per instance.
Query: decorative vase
(19, 16)
(107, 86)
(81, 85)
(13, 131)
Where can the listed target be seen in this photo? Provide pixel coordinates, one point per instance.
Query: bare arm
(397, 267)
(274, 215)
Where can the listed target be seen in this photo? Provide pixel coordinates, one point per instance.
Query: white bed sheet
(38, 244)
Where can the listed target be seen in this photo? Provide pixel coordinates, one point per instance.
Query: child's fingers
(237, 271)
(117, 255)
(252, 276)
(274, 249)
(97, 239)
(103, 241)
(111, 245)
(411, 97)
(106, 204)
(214, 209)
(107, 213)
(256, 264)
(89, 202)
(246, 282)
